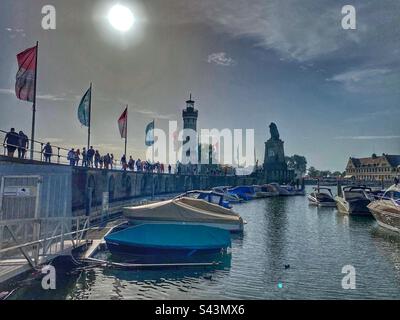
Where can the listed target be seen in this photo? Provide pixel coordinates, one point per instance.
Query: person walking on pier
(107, 160)
(47, 152)
(84, 157)
(77, 157)
(97, 158)
(169, 169)
(131, 164)
(101, 162)
(71, 157)
(11, 140)
(123, 163)
(22, 145)
(111, 162)
(138, 165)
(90, 155)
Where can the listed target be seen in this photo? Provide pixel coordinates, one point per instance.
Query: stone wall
(123, 185)
(90, 184)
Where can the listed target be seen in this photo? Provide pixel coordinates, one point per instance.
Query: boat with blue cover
(244, 192)
(210, 196)
(228, 196)
(168, 238)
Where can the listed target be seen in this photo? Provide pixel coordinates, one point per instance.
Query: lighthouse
(189, 115)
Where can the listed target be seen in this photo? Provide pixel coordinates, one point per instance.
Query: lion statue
(273, 129)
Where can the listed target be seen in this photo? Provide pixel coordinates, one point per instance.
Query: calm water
(315, 242)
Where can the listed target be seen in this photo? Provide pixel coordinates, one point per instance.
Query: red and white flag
(123, 123)
(25, 82)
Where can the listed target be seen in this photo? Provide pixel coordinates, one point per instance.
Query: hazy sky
(333, 93)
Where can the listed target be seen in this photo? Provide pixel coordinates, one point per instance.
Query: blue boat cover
(172, 236)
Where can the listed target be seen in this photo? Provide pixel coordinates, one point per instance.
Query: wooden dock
(96, 237)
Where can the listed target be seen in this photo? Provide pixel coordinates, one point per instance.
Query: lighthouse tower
(189, 115)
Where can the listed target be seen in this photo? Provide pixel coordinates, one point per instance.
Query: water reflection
(314, 242)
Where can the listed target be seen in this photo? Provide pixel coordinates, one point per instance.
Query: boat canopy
(182, 209)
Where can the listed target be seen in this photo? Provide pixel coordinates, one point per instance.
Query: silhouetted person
(47, 152)
(123, 162)
(71, 157)
(11, 140)
(131, 164)
(90, 155)
(97, 158)
(84, 157)
(22, 145)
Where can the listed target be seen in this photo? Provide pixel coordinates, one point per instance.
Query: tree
(337, 174)
(313, 173)
(297, 163)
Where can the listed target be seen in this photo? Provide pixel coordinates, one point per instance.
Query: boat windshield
(392, 194)
(355, 194)
(207, 196)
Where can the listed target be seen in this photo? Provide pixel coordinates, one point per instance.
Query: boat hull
(234, 228)
(321, 200)
(122, 248)
(353, 208)
(387, 215)
(168, 239)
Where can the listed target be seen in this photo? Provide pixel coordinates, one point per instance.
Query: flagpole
(90, 117)
(126, 132)
(154, 128)
(34, 103)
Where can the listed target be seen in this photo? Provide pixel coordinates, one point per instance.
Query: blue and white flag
(149, 140)
(84, 108)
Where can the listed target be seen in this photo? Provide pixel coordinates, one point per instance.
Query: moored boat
(288, 190)
(261, 192)
(185, 210)
(243, 192)
(232, 198)
(322, 197)
(386, 210)
(270, 189)
(168, 238)
(353, 200)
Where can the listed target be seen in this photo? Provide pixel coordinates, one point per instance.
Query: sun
(121, 18)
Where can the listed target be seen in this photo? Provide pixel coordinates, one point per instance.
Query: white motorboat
(386, 210)
(322, 197)
(353, 200)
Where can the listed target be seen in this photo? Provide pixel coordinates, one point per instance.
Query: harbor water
(289, 250)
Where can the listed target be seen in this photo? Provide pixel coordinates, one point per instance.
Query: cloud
(221, 59)
(14, 32)
(307, 30)
(45, 97)
(371, 116)
(367, 137)
(157, 115)
(356, 80)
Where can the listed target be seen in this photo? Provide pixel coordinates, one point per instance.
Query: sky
(333, 93)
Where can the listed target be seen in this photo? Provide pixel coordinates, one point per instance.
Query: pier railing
(59, 154)
(38, 240)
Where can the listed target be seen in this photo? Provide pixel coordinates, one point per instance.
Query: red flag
(25, 82)
(123, 123)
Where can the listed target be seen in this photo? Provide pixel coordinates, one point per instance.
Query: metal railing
(22, 152)
(67, 233)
